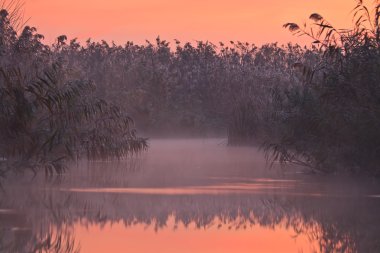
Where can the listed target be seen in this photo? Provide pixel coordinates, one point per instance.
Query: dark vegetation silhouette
(191, 90)
(49, 110)
(316, 106)
(330, 121)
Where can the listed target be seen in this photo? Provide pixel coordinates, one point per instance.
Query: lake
(189, 195)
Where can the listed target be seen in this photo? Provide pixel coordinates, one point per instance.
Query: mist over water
(190, 195)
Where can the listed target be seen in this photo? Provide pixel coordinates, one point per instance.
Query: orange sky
(257, 21)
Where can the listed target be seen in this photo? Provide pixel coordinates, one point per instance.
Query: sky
(254, 21)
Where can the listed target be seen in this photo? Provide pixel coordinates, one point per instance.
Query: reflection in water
(209, 189)
(17, 236)
(218, 236)
(194, 196)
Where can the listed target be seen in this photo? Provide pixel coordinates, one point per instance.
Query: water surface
(190, 196)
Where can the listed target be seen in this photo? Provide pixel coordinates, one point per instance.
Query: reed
(49, 113)
(330, 121)
(316, 106)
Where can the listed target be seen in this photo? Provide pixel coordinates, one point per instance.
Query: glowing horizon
(250, 21)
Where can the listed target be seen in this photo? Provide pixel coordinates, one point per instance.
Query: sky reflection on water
(190, 196)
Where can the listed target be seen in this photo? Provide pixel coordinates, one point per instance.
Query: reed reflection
(18, 234)
(194, 193)
(45, 215)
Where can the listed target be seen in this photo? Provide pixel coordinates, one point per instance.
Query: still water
(189, 196)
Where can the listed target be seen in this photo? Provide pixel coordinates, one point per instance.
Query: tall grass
(316, 106)
(49, 112)
(191, 88)
(331, 121)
